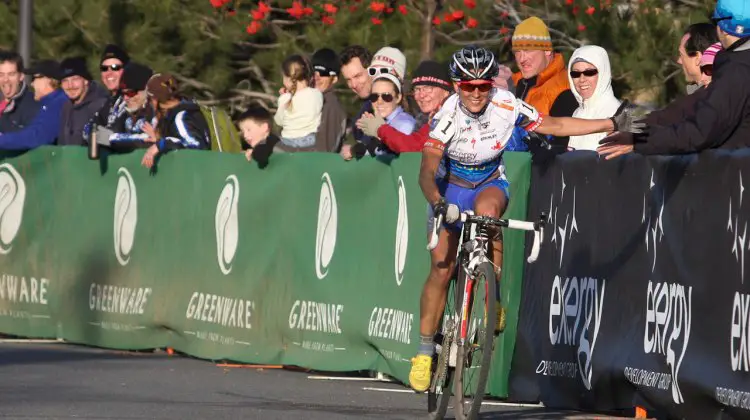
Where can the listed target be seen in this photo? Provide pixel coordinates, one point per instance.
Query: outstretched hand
(615, 145)
(369, 124)
(626, 121)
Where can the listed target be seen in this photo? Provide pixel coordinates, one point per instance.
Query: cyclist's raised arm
(567, 126)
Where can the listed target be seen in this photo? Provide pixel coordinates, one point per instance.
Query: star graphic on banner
(562, 229)
(738, 248)
(655, 224)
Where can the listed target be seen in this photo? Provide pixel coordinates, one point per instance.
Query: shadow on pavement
(20, 354)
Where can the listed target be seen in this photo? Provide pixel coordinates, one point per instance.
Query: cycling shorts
(464, 197)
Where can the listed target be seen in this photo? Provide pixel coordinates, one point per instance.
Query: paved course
(59, 381)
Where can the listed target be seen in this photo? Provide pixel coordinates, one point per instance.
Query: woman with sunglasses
(462, 169)
(388, 104)
(590, 76)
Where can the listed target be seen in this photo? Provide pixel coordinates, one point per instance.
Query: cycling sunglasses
(716, 20)
(129, 93)
(112, 67)
(387, 97)
(588, 73)
(470, 87)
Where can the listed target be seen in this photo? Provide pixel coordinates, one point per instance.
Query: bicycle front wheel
(474, 357)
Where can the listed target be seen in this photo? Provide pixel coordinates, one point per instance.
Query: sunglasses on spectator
(387, 97)
(129, 93)
(112, 67)
(588, 73)
(470, 87)
(374, 71)
(323, 73)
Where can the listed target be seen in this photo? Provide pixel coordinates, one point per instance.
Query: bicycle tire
(485, 274)
(438, 402)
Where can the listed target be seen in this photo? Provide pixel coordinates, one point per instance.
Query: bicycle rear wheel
(474, 358)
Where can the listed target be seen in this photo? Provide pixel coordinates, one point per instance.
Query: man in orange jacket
(542, 81)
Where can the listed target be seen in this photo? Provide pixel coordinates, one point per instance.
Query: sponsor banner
(639, 295)
(311, 261)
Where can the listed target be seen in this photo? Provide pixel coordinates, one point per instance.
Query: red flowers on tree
(472, 23)
(470, 4)
(329, 8)
(377, 6)
(403, 9)
(219, 3)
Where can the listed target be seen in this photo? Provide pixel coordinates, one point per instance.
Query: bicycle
(467, 338)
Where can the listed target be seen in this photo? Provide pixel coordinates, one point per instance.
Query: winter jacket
(20, 110)
(75, 116)
(332, 124)
(184, 127)
(548, 92)
(720, 120)
(42, 130)
(602, 103)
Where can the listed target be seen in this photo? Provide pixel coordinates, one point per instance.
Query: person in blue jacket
(44, 128)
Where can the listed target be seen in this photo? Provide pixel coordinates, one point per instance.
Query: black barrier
(641, 294)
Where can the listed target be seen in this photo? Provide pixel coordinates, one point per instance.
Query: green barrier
(312, 261)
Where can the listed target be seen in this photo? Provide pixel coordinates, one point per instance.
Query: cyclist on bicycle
(462, 169)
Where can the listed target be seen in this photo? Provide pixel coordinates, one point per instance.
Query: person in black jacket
(17, 105)
(722, 118)
(181, 124)
(86, 98)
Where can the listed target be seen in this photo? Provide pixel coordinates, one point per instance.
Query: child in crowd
(299, 106)
(255, 125)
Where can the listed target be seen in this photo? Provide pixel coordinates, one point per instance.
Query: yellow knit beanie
(531, 34)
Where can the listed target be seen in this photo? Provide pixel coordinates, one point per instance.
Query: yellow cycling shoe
(421, 372)
(500, 326)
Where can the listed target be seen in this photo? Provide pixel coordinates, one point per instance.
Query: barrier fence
(312, 261)
(641, 294)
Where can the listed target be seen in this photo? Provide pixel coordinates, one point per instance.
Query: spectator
(354, 62)
(330, 135)
(86, 98)
(707, 62)
(18, 105)
(590, 75)
(181, 123)
(45, 126)
(696, 39)
(387, 102)
(432, 86)
(387, 60)
(112, 64)
(127, 132)
(255, 125)
(299, 107)
(722, 118)
(542, 80)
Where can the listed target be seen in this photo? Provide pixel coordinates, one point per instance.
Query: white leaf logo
(402, 233)
(12, 198)
(126, 216)
(325, 241)
(227, 224)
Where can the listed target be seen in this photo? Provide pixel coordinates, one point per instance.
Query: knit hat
(46, 68)
(135, 76)
(113, 51)
(391, 58)
(531, 34)
(75, 66)
(326, 61)
(733, 17)
(708, 56)
(432, 73)
(391, 77)
(162, 87)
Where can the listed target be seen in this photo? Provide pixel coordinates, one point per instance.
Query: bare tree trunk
(428, 35)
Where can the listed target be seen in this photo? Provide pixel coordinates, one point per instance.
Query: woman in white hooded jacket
(590, 78)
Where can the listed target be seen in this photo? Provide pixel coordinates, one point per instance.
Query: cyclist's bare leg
(432, 302)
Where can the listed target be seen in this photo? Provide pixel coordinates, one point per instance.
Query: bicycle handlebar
(537, 227)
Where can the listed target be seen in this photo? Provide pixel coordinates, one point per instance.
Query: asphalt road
(59, 381)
